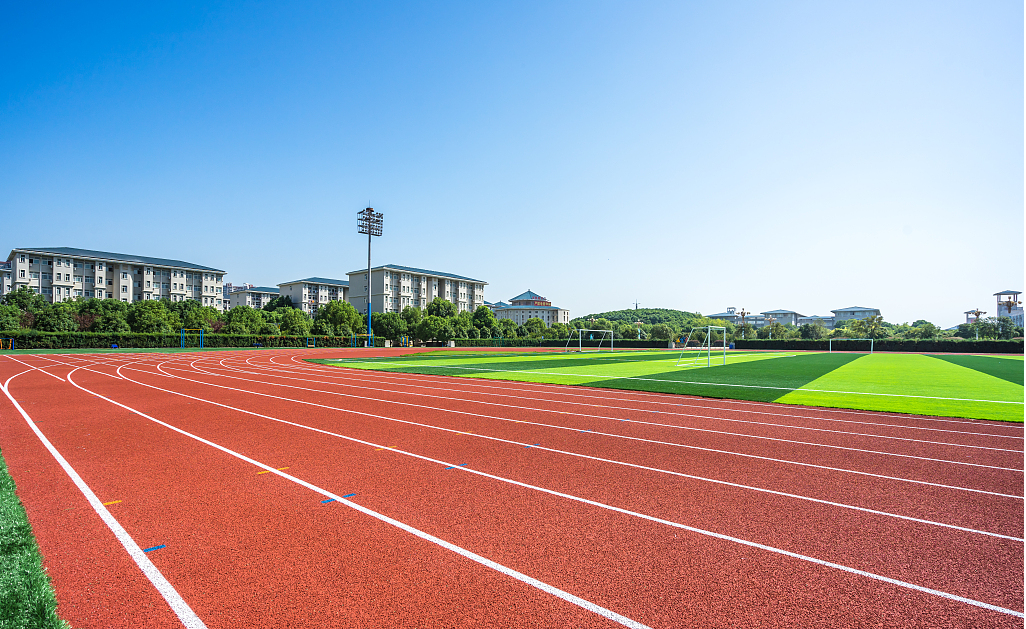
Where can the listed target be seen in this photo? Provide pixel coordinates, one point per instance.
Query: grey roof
(1008, 292)
(319, 280)
(783, 312)
(500, 304)
(415, 271)
(258, 289)
(507, 307)
(815, 317)
(853, 308)
(528, 295)
(118, 257)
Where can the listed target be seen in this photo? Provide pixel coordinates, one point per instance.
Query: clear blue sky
(798, 155)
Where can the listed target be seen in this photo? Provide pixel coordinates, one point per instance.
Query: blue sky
(798, 155)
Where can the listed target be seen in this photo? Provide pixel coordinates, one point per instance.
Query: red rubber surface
(245, 549)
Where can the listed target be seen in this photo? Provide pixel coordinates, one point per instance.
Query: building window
(124, 289)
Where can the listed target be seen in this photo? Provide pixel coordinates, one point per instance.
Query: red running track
(250, 489)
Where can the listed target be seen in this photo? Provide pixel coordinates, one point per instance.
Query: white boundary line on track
(620, 408)
(488, 563)
(642, 396)
(573, 454)
(178, 605)
(397, 382)
(470, 555)
(634, 421)
(711, 384)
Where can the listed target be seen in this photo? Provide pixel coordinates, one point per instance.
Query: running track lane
(101, 377)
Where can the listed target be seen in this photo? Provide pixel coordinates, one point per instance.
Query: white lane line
(36, 368)
(720, 536)
(510, 572)
(711, 384)
(181, 609)
(555, 451)
(507, 394)
(627, 395)
(631, 421)
(670, 413)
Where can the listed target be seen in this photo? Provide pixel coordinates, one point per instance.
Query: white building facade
(1010, 306)
(313, 292)
(854, 312)
(530, 305)
(394, 287)
(64, 273)
(254, 297)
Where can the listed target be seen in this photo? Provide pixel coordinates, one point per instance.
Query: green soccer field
(977, 387)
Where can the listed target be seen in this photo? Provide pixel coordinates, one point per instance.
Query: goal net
(590, 341)
(704, 350)
(850, 345)
(192, 338)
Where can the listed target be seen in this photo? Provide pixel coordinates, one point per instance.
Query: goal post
(190, 334)
(707, 345)
(830, 345)
(601, 335)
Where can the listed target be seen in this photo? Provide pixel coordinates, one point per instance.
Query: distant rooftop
(415, 271)
(529, 295)
(119, 257)
(852, 309)
(318, 280)
(1008, 292)
(258, 289)
(770, 312)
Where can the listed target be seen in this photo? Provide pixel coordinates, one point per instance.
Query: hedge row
(97, 340)
(1014, 346)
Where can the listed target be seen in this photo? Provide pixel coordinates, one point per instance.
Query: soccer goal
(311, 341)
(706, 347)
(6, 343)
(830, 345)
(604, 338)
(193, 337)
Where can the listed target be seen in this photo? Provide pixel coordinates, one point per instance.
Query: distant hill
(651, 316)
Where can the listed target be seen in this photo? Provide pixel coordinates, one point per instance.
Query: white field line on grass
(524, 578)
(488, 563)
(619, 419)
(647, 397)
(712, 384)
(174, 600)
(347, 383)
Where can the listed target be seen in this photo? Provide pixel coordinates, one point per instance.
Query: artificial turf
(26, 596)
(977, 387)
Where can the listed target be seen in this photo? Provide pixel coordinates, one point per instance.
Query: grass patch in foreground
(26, 596)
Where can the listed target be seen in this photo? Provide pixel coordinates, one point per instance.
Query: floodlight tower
(977, 313)
(639, 324)
(744, 313)
(370, 223)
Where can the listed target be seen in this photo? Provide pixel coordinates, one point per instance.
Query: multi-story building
(394, 287)
(6, 276)
(62, 273)
(313, 292)
(733, 316)
(783, 317)
(254, 297)
(1011, 307)
(530, 305)
(826, 322)
(854, 312)
(230, 288)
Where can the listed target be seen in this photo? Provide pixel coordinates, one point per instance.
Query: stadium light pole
(976, 322)
(743, 314)
(369, 222)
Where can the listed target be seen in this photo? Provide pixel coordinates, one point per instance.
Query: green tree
(441, 308)
(25, 300)
(507, 328)
(412, 316)
(389, 325)
(559, 331)
(56, 318)
(484, 318)
(243, 320)
(10, 318)
(340, 316)
(294, 322)
(281, 301)
(149, 316)
(430, 327)
(812, 331)
(868, 328)
(661, 331)
(535, 327)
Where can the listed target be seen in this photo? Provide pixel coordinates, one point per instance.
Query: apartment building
(783, 317)
(1011, 307)
(6, 278)
(854, 312)
(733, 316)
(254, 296)
(826, 322)
(394, 287)
(313, 292)
(63, 273)
(530, 305)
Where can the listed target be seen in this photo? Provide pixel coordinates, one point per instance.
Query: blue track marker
(348, 495)
(328, 500)
(452, 467)
(146, 550)
(532, 445)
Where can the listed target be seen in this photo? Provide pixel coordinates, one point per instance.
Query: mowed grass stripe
(904, 383)
(1010, 369)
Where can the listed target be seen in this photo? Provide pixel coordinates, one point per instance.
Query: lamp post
(639, 324)
(744, 313)
(977, 313)
(769, 323)
(369, 222)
